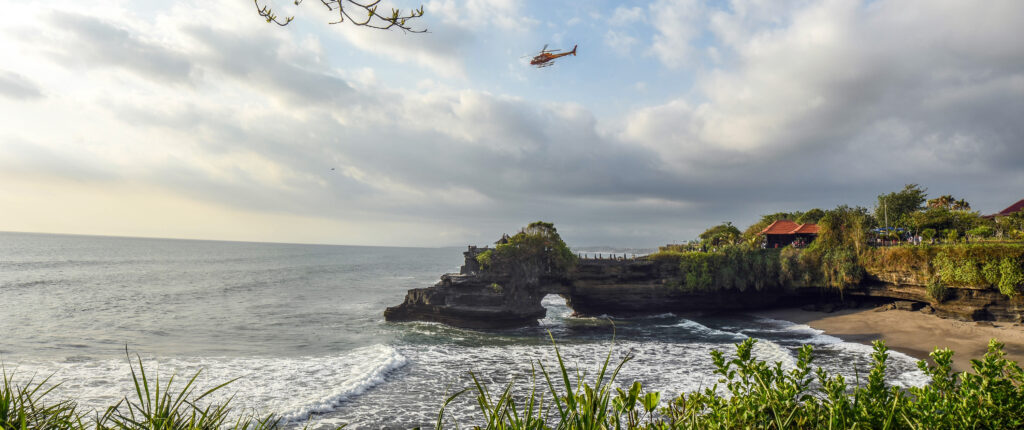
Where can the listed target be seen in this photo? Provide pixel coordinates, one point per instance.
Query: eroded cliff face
(620, 287)
(640, 286)
(623, 287)
(963, 303)
(475, 299)
(470, 301)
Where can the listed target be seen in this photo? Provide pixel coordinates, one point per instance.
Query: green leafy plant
(752, 393)
(929, 234)
(25, 406)
(1011, 277)
(938, 291)
(951, 235)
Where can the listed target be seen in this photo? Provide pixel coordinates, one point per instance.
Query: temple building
(785, 232)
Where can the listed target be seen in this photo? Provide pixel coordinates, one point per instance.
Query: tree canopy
(894, 206)
(722, 234)
(949, 202)
(536, 248)
(812, 216)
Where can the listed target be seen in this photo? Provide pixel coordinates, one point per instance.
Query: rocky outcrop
(623, 287)
(620, 287)
(469, 301)
(965, 304)
(473, 299)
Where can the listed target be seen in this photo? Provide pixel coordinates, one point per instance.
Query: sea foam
(294, 388)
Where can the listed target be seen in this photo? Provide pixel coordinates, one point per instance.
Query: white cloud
(207, 107)
(623, 16)
(441, 51)
(619, 42)
(677, 24)
(488, 14)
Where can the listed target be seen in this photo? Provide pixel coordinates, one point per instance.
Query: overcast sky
(196, 119)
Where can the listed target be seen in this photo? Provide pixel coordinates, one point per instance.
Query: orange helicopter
(546, 58)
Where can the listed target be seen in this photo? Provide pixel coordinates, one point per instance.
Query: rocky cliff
(477, 299)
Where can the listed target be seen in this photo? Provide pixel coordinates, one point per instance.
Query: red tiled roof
(785, 226)
(1014, 208)
(807, 229)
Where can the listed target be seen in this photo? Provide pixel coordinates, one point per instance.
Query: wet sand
(913, 333)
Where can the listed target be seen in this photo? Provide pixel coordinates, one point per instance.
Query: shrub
(981, 231)
(938, 291)
(737, 268)
(990, 271)
(977, 265)
(789, 266)
(928, 233)
(1011, 277)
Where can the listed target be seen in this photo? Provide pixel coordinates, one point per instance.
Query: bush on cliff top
(961, 265)
(536, 248)
(733, 267)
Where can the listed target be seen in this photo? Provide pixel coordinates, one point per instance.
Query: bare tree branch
(367, 9)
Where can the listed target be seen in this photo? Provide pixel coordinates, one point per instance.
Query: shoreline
(913, 333)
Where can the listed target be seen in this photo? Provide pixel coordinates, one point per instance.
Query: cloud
(486, 14)
(806, 104)
(453, 26)
(875, 91)
(623, 16)
(442, 51)
(676, 23)
(95, 42)
(621, 43)
(287, 69)
(17, 86)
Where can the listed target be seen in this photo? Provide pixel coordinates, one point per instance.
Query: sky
(197, 119)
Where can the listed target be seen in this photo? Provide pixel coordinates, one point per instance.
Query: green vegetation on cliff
(733, 267)
(537, 249)
(973, 252)
(830, 261)
(978, 266)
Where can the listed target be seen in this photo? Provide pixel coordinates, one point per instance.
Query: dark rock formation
(623, 287)
(619, 287)
(639, 286)
(965, 304)
(473, 299)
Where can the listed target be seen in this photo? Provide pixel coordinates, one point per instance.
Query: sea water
(302, 328)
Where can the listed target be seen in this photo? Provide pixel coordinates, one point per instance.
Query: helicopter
(546, 57)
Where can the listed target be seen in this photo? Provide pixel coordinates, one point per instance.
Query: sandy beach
(913, 333)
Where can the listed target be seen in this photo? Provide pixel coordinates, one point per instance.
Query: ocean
(302, 328)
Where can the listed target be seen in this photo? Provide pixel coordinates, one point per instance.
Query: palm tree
(942, 202)
(961, 205)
